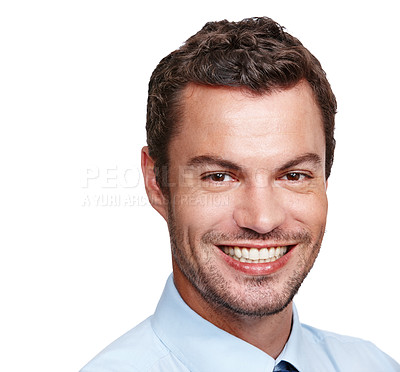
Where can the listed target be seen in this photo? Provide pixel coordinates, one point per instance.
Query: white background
(75, 275)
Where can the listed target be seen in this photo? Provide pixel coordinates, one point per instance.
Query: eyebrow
(213, 160)
(203, 160)
(306, 158)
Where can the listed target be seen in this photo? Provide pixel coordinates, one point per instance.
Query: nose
(259, 209)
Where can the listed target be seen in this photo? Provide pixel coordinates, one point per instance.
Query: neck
(268, 333)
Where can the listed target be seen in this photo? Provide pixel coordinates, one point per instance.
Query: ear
(154, 193)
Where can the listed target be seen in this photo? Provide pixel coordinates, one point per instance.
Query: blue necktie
(284, 367)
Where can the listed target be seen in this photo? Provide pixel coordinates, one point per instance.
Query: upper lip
(257, 245)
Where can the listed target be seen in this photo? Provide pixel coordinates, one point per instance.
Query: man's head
(255, 54)
(241, 121)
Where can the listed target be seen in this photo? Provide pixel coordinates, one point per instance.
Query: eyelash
(300, 175)
(209, 177)
(303, 176)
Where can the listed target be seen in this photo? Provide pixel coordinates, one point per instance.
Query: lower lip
(266, 268)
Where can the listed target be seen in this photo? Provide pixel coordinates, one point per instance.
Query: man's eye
(218, 177)
(295, 176)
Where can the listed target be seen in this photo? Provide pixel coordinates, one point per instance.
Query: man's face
(247, 196)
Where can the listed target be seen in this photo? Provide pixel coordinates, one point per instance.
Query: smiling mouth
(256, 255)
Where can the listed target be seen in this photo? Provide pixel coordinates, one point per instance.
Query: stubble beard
(258, 296)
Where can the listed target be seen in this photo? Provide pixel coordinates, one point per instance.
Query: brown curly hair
(256, 54)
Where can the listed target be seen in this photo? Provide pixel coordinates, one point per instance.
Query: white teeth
(271, 252)
(254, 255)
(238, 252)
(264, 253)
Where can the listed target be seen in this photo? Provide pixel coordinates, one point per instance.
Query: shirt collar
(201, 346)
(295, 349)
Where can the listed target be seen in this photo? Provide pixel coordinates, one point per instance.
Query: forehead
(235, 122)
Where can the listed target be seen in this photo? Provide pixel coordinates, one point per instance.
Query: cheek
(311, 210)
(197, 214)
(202, 213)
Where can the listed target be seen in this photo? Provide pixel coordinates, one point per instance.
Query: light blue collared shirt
(176, 339)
